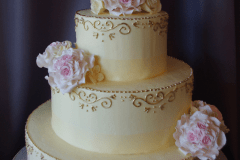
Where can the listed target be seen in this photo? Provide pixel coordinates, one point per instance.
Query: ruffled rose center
(125, 1)
(201, 125)
(65, 71)
(192, 137)
(199, 135)
(206, 140)
(62, 62)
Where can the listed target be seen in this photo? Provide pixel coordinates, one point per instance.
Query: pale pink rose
(66, 66)
(53, 51)
(199, 135)
(118, 7)
(69, 69)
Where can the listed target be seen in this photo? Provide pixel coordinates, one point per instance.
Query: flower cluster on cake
(67, 67)
(123, 7)
(202, 132)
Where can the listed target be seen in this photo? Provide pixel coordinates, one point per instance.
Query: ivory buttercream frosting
(117, 95)
(135, 46)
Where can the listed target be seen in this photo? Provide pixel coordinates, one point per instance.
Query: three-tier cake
(116, 95)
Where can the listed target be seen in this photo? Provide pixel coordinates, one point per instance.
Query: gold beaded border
(146, 90)
(29, 136)
(122, 18)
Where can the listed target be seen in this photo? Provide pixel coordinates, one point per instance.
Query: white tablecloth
(22, 155)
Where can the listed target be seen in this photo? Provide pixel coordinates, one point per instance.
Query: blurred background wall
(203, 33)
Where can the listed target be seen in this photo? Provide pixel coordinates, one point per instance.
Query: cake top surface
(177, 73)
(135, 15)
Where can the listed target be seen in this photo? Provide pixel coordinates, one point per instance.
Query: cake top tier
(125, 7)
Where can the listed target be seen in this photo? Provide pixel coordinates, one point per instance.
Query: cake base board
(43, 143)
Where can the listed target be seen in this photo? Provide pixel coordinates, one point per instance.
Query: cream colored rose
(97, 6)
(152, 6)
(95, 74)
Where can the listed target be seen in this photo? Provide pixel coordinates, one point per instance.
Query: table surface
(22, 155)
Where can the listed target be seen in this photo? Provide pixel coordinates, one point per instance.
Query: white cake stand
(22, 155)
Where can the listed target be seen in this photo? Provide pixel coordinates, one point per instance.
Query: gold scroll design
(152, 99)
(161, 27)
(103, 27)
(92, 98)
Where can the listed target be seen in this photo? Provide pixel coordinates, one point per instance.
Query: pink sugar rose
(199, 135)
(118, 7)
(66, 66)
(52, 51)
(69, 69)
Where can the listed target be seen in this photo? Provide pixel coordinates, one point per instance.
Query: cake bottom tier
(42, 143)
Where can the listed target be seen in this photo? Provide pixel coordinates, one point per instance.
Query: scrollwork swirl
(92, 98)
(156, 26)
(104, 27)
(153, 100)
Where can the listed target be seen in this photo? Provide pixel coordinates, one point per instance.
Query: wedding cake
(117, 95)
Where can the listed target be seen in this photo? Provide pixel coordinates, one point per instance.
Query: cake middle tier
(128, 48)
(124, 118)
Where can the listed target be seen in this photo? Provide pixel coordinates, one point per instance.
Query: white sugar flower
(152, 6)
(97, 6)
(66, 66)
(200, 135)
